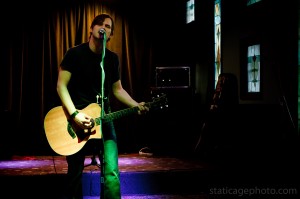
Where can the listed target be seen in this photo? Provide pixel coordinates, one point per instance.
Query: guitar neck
(116, 115)
(121, 113)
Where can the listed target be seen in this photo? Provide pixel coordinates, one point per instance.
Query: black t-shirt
(86, 80)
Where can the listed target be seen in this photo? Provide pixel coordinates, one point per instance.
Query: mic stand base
(93, 162)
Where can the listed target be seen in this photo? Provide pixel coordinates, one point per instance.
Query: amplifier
(173, 77)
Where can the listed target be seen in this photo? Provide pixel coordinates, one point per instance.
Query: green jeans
(107, 151)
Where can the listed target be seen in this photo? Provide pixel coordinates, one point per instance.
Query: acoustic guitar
(65, 137)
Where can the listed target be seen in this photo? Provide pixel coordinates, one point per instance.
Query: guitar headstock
(159, 101)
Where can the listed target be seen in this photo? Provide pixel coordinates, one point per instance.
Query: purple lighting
(44, 165)
(18, 164)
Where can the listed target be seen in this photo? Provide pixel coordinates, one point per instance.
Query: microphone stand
(102, 110)
(93, 161)
(102, 79)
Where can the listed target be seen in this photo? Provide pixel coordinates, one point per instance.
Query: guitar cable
(54, 165)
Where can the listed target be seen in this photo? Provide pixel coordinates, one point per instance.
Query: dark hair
(99, 19)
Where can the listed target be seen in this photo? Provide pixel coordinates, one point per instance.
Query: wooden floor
(153, 177)
(30, 174)
(47, 165)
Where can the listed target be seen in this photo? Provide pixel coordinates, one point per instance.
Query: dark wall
(176, 43)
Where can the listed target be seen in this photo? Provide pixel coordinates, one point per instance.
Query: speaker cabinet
(173, 77)
(172, 127)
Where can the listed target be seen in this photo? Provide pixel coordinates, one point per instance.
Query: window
(217, 14)
(190, 11)
(251, 68)
(250, 2)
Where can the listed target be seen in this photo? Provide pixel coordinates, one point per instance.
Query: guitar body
(64, 136)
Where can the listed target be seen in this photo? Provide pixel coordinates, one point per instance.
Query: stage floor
(155, 177)
(142, 176)
(45, 165)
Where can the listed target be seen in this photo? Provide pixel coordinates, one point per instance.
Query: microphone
(102, 32)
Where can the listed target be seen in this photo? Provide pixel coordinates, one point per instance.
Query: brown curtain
(35, 38)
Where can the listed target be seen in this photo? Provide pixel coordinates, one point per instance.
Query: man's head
(103, 21)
